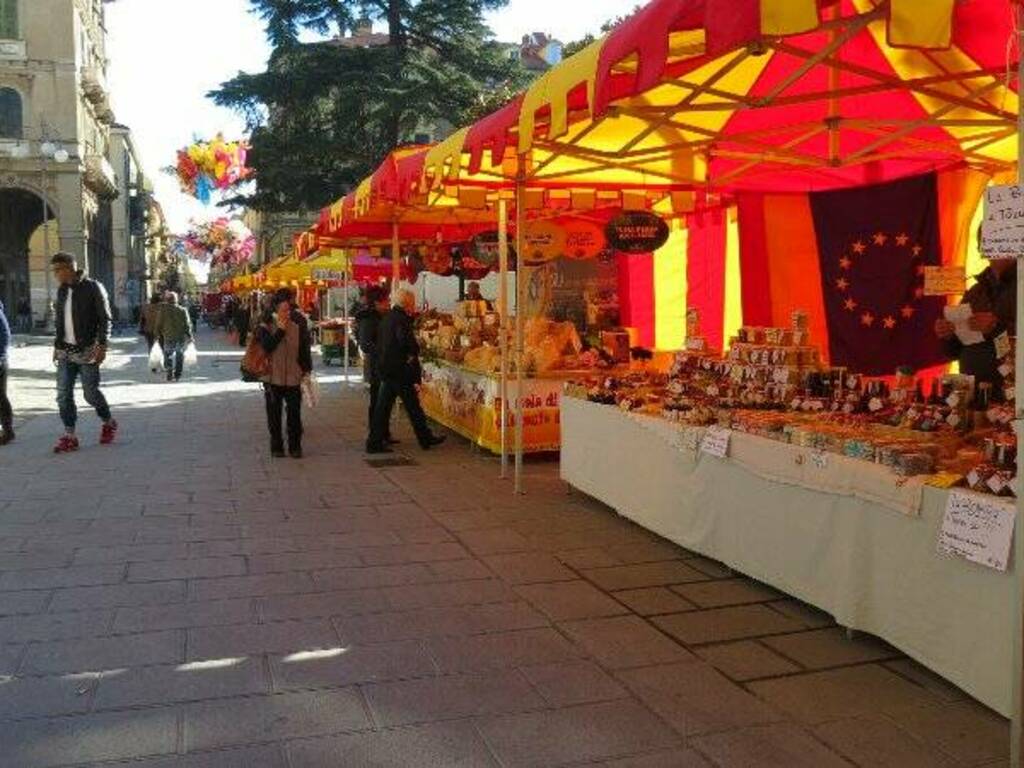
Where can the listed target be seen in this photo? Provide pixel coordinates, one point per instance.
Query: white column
(1017, 738)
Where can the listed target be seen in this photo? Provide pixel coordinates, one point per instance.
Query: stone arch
(21, 215)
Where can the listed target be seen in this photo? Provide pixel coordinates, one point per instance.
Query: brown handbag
(256, 365)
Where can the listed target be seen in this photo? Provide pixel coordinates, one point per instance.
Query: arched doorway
(21, 214)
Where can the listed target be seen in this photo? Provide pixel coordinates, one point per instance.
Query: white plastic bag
(191, 355)
(311, 391)
(156, 357)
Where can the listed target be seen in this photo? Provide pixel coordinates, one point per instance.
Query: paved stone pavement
(181, 600)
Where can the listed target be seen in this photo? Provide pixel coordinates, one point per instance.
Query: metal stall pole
(503, 327)
(520, 327)
(348, 328)
(396, 268)
(1017, 737)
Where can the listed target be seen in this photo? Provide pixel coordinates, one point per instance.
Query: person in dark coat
(6, 412)
(398, 360)
(241, 316)
(993, 300)
(284, 335)
(368, 320)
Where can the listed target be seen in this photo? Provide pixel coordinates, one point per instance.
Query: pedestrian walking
(80, 347)
(150, 320)
(25, 315)
(6, 412)
(284, 335)
(174, 327)
(398, 355)
(368, 319)
(240, 309)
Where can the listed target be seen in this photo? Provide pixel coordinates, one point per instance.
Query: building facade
(57, 185)
(132, 238)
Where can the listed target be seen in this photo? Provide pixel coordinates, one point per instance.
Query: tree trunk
(397, 43)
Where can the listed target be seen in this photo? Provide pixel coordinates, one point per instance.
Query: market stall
(819, 159)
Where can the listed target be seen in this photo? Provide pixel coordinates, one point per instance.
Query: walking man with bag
(398, 355)
(80, 347)
(174, 327)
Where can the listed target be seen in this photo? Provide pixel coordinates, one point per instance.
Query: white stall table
(870, 560)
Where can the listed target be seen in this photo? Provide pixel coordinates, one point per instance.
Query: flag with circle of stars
(873, 245)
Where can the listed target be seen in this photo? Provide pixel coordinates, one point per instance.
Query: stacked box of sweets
(995, 470)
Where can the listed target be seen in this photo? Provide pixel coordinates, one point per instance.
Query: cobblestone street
(180, 599)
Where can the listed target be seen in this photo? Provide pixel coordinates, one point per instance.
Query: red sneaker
(66, 444)
(109, 432)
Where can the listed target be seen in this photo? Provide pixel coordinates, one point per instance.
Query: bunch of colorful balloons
(220, 242)
(205, 166)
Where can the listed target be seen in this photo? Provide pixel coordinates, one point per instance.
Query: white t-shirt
(69, 319)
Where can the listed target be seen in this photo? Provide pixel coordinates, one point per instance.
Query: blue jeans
(67, 373)
(174, 359)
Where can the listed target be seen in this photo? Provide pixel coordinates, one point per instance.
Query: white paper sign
(978, 528)
(960, 317)
(1002, 230)
(716, 442)
(944, 281)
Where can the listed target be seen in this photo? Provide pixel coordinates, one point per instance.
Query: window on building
(9, 19)
(10, 113)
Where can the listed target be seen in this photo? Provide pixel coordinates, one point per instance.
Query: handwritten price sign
(944, 281)
(1002, 230)
(716, 442)
(978, 528)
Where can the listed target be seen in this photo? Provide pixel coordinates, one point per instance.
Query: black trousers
(389, 392)
(6, 413)
(375, 385)
(278, 399)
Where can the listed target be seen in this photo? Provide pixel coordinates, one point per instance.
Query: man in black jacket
(994, 302)
(368, 320)
(83, 327)
(398, 359)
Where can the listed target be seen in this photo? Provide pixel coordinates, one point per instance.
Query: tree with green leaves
(325, 114)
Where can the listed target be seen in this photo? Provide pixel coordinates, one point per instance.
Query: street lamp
(50, 148)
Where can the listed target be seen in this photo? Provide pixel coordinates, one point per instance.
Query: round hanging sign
(544, 242)
(583, 240)
(637, 232)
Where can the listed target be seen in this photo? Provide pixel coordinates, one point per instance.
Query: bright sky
(165, 57)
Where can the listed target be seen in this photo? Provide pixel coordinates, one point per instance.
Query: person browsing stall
(993, 300)
(398, 355)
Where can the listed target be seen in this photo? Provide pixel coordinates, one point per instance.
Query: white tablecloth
(872, 568)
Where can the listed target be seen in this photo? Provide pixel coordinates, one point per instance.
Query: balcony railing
(100, 176)
(94, 83)
(14, 148)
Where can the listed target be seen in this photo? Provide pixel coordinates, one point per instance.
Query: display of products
(772, 383)
(471, 337)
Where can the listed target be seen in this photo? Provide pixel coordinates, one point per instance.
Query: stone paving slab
(231, 610)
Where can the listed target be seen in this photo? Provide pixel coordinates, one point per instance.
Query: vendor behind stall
(993, 300)
(475, 302)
